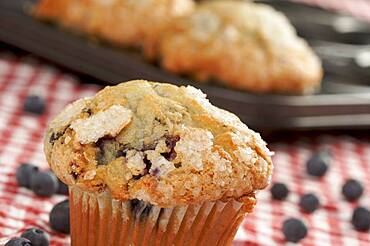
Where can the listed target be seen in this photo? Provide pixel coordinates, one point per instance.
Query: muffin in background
(243, 45)
(152, 162)
(137, 23)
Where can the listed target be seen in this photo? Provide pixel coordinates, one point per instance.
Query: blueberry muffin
(123, 22)
(153, 160)
(243, 45)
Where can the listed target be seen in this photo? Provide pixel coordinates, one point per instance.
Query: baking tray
(343, 102)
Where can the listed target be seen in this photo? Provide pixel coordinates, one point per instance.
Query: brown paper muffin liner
(99, 220)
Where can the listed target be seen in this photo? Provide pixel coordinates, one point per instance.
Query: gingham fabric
(21, 137)
(359, 8)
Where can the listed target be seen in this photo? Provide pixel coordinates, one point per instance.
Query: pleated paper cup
(99, 220)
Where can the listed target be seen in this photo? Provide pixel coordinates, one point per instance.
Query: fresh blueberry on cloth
(36, 236)
(34, 104)
(18, 241)
(361, 219)
(23, 174)
(44, 184)
(318, 164)
(352, 190)
(59, 217)
(279, 191)
(294, 230)
(309, 203)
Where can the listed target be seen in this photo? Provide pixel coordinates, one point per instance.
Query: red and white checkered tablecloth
(358, 8)
(21, 137)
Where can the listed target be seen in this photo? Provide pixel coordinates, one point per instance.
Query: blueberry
(352, 190)
(44, 184)
(36, 236)
(136, 206)
(309, 203)
(318, 164)
(361, 219)
(55, 136)
(24, 173)
(294, 230)
(279, 191)
(34, 104)
(146, 211)
(59, 217)
(62, 188)
(18, 241)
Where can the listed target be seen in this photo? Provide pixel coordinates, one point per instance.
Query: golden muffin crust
(159, 143)
(124, 22)
(243, 45)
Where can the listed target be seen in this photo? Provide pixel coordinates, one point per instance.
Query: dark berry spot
(170, 156)
(309, 203)
(294, 230)
(24, 173)
(34, 104)
(148, 163)
(44, 184)
(87, 111)
(121, 153)
(136, 177)
(171, 141)
(136, 206)
(59, 217)
(155, 171)
(145, 213)
(177, 165)
(62, 188)
(134, 203)
(55, 136)
(158, 120)
(18, 241)
(74, 174)
(361, 219)
(279, 191)
(318, 164)
(149, 146)
(140, 209)
(161, 213)
(352, 190)
(36, 236)
(100, 158)
(107, 150)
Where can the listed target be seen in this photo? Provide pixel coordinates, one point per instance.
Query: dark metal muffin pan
(342, 103)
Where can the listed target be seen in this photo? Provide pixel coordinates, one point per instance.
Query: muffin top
(244, 45)
(159, 143)
(124, 22)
